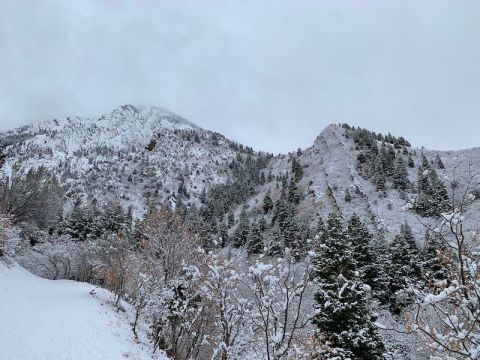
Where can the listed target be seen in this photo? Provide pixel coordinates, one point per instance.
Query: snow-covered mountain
(130, 155)
(142, 155)
(234, 203)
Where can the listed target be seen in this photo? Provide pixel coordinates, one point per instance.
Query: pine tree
(411, 163)
(404, 268)
(242, 231)
(365, 255)
(440, 202)
(267, 203)
(439, 162)
(343, 318)
(435, 262)
(379, 178)
(297, 170)
(255, 240)
(400, 175)
(425, 163)
(293, 196)
(292, 237)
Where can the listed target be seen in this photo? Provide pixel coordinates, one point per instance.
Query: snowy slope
(329, 167)
(45, 319)
(138, 155)
(130, 155)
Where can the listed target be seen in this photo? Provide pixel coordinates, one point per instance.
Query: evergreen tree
(379, 178)
(343, 317)
(365, 255)
(440, 202)
(255, 240)
(425, 163)
(400, 175)
(435, 262)
(297, 170)
(439, 162)
(404, 268)
(242, 231)
(275, 247)
(411, 163)
(267, 203)
(293, 196)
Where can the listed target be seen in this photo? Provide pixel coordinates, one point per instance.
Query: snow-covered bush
(57, 257)
(9, 238)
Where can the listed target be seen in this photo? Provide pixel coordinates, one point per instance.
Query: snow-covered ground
(45, 319)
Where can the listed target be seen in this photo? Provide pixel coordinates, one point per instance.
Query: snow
(45, 319)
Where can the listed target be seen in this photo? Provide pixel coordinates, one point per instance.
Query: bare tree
(279, 303)
(449, 318)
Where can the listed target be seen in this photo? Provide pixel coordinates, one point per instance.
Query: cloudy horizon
(268, 74)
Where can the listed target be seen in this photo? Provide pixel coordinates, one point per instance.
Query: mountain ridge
(133, 155)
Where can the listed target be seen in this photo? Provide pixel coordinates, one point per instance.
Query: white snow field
(46, 319)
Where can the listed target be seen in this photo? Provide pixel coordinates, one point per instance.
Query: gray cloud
(271, 74)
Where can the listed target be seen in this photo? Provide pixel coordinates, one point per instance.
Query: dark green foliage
(367, 257)
(243, 230)
(267, 203)
(293, 196)
(435, 262)
(297, 170)
(432, 196)
(410, 163)
(379, 178)
(404, 268)
(255, 240)
(343, 317)
(400, 175)
(438, 162)
(220, 199)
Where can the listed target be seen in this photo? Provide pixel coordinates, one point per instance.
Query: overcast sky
(270, 74)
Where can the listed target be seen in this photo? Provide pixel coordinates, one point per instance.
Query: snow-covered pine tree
(400, 175)
(297, 170)
(436, 259)
(267, 203)
(403, 268)
(438, 162)
(379, 174)
(293, 196)
(344, 321)
(255, 240)
(425, 162)
(440, 201)
(369, 262)
(242, 231)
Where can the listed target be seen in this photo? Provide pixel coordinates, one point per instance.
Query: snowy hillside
(144, 157)
(184, 224)
(130, 155)
(45, 319)
(329, 172)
